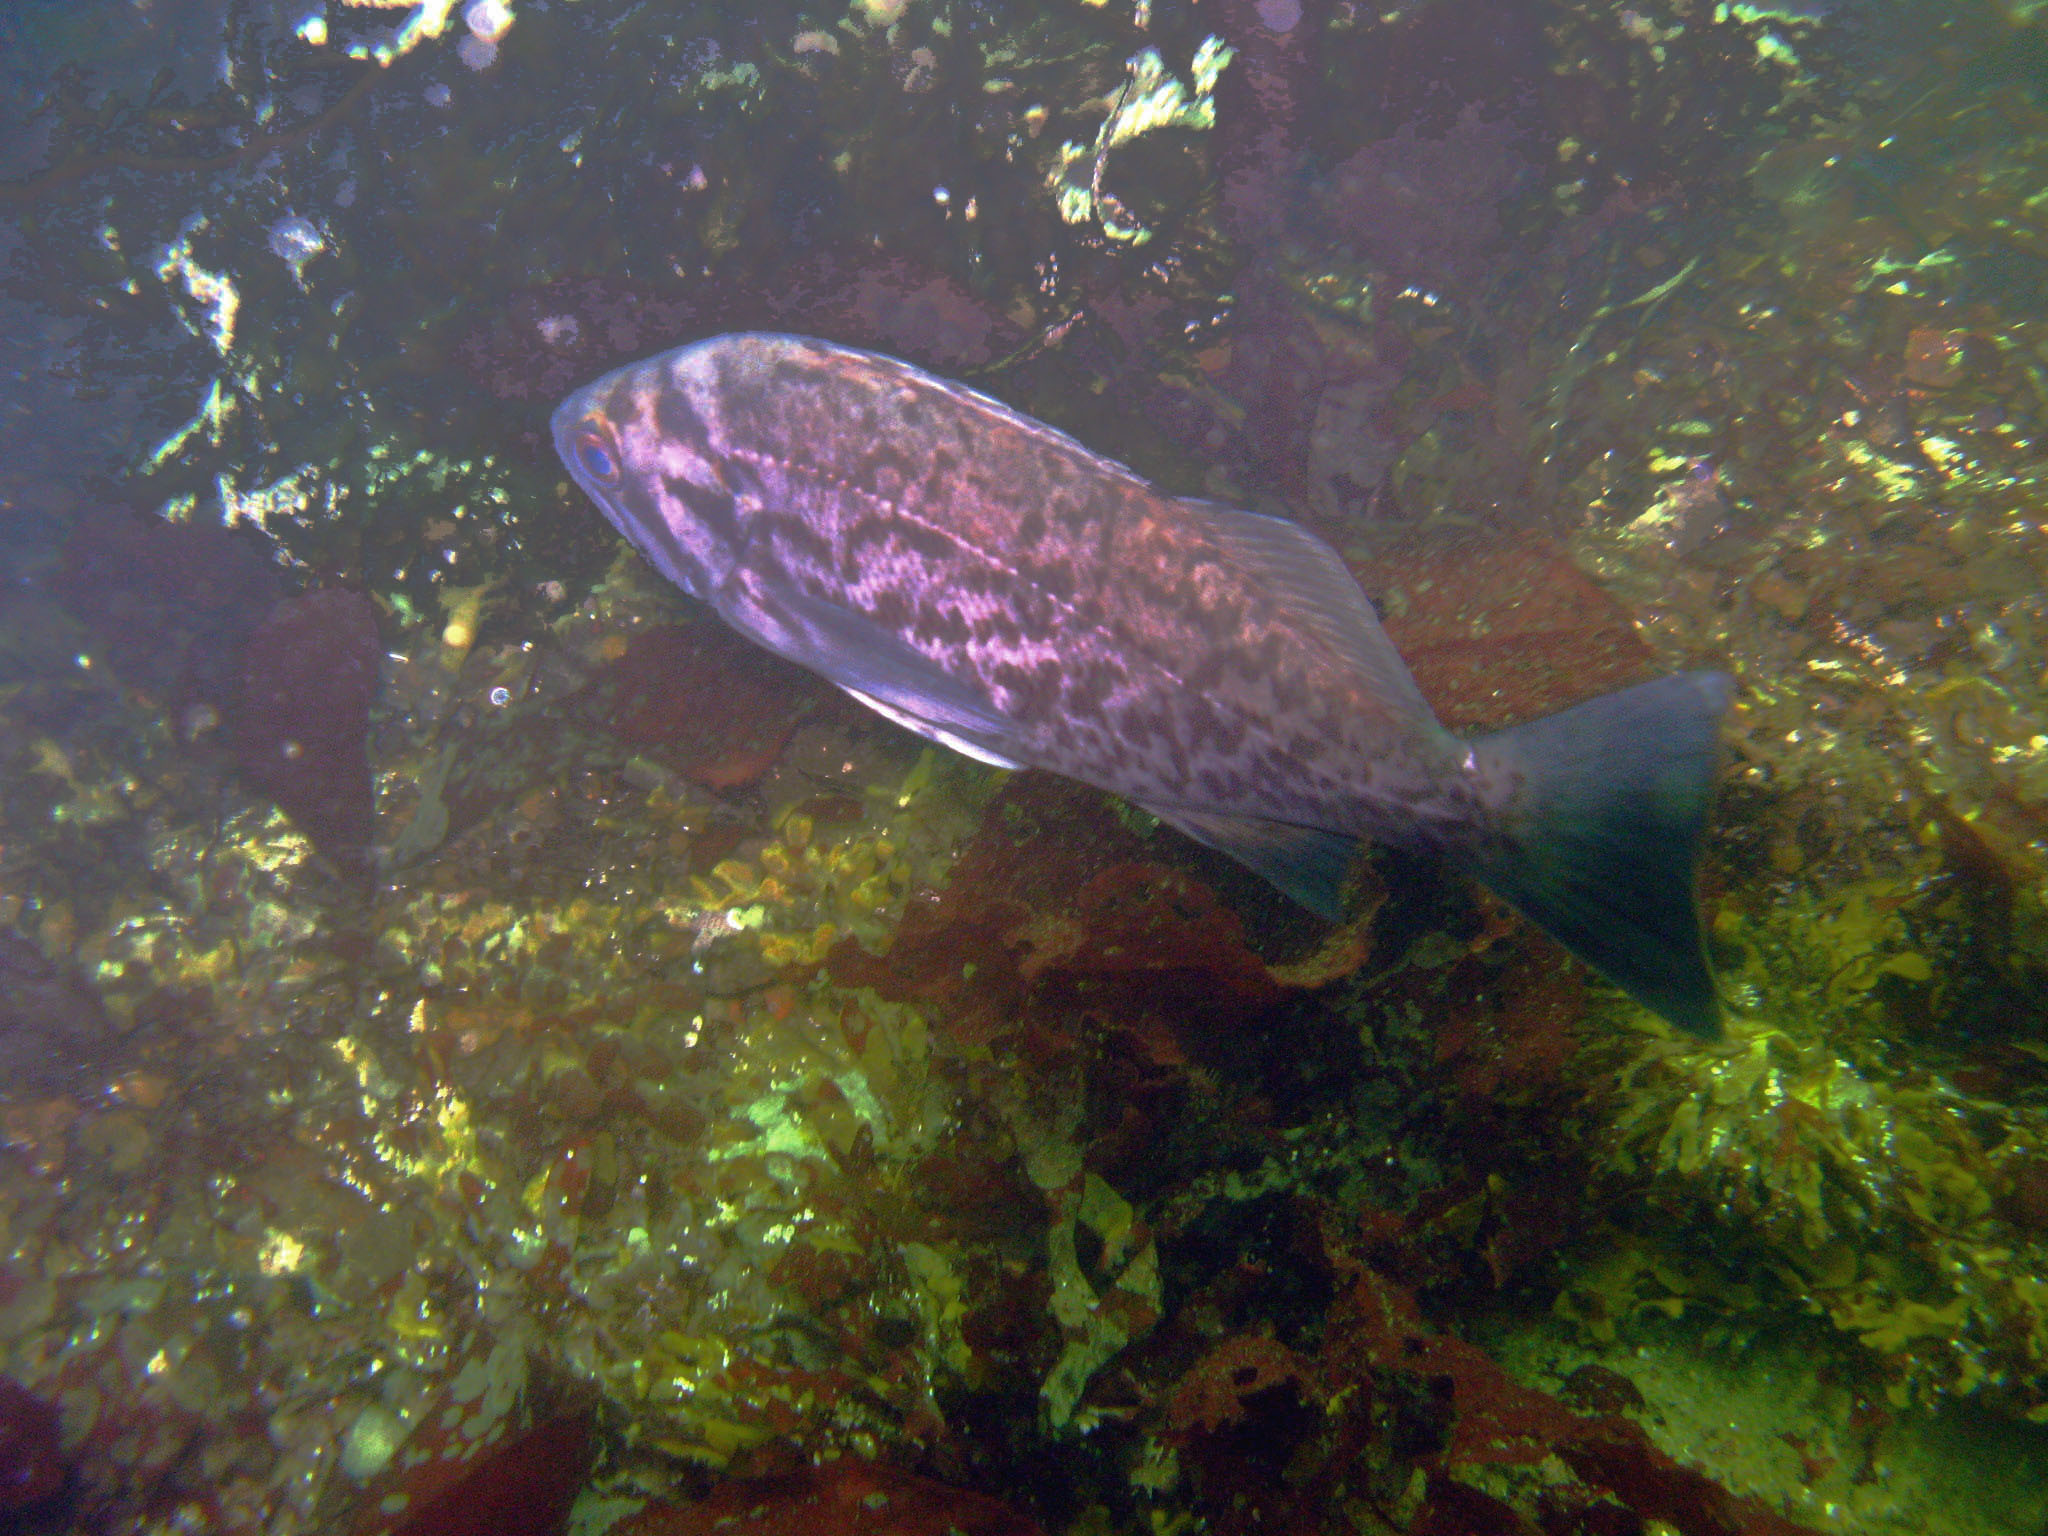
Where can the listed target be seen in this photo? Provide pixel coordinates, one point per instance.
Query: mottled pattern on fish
(1153, 647)
(986, 580)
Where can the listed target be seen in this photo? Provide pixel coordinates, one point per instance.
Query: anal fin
(1306, 863)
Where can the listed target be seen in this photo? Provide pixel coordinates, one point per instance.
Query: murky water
(483, 1047)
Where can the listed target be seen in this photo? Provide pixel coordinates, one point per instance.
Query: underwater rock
(308, 674)
(1426, 210)
(1353, 441)
(894, 306)
(550, 339)
(1432, 62)
(1275, 375)
(170, 604)
(33, 1471)
(1266, 103)
(546, 340)
(1138, 919)
(703, 702)
(1499, 628)
(1937, 359)
(51, 1020)
(195, 617)
(1377, 1327)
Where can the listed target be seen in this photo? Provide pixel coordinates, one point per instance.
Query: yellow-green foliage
(1870, 1198)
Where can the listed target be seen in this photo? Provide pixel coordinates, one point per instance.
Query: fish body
(991, 583)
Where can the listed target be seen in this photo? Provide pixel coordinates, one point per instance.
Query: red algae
(1058, 897)
(701, 700)
(842, 1498)
(33, 1469)
(1499, 629)
(521, 1486)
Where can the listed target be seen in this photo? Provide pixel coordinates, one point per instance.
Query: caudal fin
(1600, 840)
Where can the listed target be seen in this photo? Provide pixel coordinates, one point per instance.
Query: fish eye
(594, 452)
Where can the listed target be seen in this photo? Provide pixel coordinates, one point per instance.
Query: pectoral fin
(872, 664)
(929, 730)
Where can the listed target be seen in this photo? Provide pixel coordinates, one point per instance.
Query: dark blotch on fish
(1039, 605)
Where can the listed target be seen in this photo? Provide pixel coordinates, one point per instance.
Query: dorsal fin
(1319, 589)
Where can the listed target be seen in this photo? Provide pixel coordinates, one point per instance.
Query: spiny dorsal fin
(1319, 590)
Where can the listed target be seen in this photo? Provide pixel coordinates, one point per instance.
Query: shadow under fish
(991, 584)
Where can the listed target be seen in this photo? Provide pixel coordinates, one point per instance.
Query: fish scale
(989, 582)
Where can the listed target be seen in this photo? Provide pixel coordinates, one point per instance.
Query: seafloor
(484, 1049)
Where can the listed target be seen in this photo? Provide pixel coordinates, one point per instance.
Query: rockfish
(991, 584)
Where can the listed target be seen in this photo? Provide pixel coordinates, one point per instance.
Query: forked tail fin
(1599, 841)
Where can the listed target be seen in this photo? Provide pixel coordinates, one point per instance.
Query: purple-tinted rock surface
(308, 674)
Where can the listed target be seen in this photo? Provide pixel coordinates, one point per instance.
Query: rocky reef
(482, 1048)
